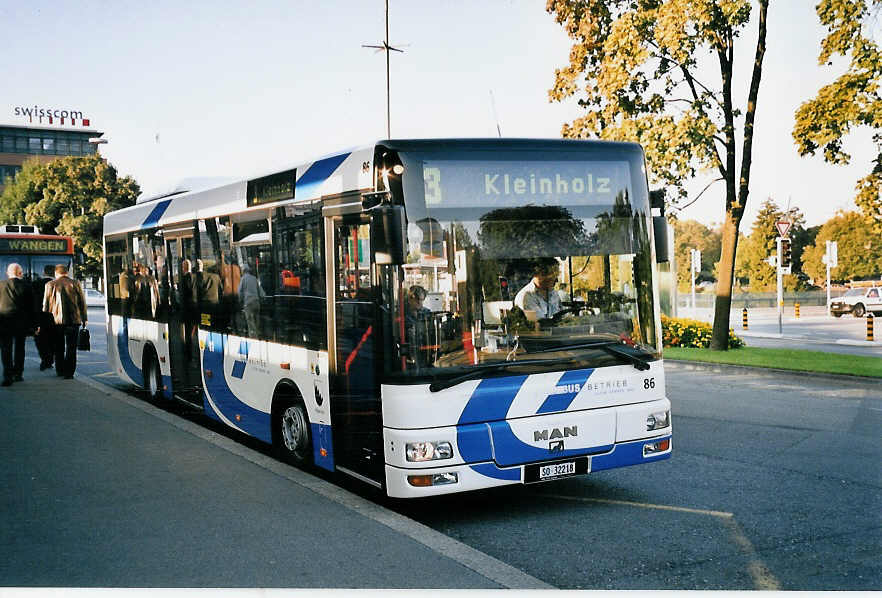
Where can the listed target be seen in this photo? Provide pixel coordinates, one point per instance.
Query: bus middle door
(182, 320)
(355, 393)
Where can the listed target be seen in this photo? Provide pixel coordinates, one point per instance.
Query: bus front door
(355, 402)
(182, 321)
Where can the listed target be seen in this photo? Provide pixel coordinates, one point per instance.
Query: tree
(638, 63)
(70, 196)
(689, 234)
(859, 249)
(19, 192)
(852, 100)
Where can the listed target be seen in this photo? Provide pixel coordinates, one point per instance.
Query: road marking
(493, 569)
(103, 375)
(762, 577)
(721, 514)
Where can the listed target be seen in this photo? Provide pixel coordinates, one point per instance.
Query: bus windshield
(517, 257)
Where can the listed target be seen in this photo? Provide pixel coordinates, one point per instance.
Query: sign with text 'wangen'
(32, 245)
(783, 227)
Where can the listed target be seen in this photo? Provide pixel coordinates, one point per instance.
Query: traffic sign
(783, 227)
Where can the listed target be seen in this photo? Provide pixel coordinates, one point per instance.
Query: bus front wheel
(294, 439)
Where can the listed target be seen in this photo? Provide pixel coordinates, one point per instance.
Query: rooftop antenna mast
(495, 116)
(386, 48)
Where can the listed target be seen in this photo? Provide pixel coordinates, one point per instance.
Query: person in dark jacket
(65, 300)
(43, 321)
(16, 309)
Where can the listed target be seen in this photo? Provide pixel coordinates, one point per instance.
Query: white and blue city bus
(388, 312)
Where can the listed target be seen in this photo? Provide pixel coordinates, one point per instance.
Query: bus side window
(209, 287)
(299, 308)
(117, 257)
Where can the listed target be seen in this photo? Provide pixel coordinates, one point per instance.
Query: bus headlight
(659, 420)
(429, 451)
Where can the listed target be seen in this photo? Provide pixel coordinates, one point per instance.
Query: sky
(235, 89)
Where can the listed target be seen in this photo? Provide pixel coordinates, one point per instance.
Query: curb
(718, 367)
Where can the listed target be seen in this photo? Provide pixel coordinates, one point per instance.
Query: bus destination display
(272, 188)
(8, 245)
(460, 184)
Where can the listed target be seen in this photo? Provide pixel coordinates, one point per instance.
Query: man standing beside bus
(65, 300)
(16, 305)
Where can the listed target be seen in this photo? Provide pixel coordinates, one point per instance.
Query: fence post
(869, 326)
(744, 318)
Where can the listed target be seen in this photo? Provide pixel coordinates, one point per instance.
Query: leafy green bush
(683, 332)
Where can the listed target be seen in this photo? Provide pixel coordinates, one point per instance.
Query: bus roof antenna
(386, 48)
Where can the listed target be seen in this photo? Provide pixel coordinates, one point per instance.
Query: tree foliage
(852, 100)
(634, 65)
(69, 196)
(690, 234)
(859, 249)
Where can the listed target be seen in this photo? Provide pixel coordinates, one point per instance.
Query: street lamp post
(386, 48)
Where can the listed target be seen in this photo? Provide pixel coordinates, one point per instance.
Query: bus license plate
(541, 472)
(557, 470)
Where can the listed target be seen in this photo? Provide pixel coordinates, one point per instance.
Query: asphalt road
(775, 483)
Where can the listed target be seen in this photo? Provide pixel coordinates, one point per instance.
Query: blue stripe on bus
(125, 357)
(627, 453)
(317, 174)
(155, 214)
(321, 439)
(250, 420)
(572, 381)
(495, 440)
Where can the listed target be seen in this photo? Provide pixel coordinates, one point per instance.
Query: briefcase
(83, 342)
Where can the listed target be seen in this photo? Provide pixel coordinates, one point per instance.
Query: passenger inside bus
(420, 328)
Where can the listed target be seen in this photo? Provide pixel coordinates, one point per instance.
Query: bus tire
(292, 432)
(152, 375)
(859, 310)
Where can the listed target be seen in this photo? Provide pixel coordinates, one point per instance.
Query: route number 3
(432, 178)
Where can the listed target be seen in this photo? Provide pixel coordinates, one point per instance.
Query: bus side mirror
(660, 232)
(388, 234)
(659, 225)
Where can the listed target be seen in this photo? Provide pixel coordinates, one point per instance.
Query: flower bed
(683, 332)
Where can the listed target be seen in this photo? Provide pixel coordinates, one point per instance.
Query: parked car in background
(94, 298)
(857, 301)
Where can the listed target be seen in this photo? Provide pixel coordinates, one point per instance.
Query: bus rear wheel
(152, 376)
(294, 440)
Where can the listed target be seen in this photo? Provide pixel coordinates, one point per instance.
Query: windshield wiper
(480, 370)
(613, 348)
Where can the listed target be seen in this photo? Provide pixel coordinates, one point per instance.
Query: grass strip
(784, 359)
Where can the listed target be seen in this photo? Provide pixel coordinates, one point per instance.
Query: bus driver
(538, 295)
